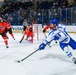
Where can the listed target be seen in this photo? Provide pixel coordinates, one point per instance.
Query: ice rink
(51, 61)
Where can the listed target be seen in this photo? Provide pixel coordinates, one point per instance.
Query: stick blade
(21, 39)
(18, 61)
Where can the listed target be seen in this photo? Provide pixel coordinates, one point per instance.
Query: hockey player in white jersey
(60, 33)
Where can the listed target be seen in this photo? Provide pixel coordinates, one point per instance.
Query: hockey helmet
(54, 21)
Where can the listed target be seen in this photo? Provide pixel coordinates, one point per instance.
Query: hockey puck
(18, 61)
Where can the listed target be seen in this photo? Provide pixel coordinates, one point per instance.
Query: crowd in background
(17, 12)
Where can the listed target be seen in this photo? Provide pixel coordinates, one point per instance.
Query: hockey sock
(5, 40)
(12, 36)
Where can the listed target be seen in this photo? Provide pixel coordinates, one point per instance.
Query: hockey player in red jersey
(46, 28)
(29, 33)
(3, 28)
(9, 28)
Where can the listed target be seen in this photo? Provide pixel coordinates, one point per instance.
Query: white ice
(51, 61)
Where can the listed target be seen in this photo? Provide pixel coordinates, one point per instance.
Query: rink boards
(19, 29)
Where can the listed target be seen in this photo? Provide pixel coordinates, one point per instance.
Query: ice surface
(51, 61)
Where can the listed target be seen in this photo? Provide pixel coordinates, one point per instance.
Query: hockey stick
(21, 39)
(46, 37)
(29, 55)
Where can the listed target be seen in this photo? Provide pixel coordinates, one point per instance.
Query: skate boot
(7, 46)
(74, 60)
(14, 38)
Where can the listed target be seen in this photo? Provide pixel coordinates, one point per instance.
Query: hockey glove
(56, 37)
(42, 46)
(44, 31)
